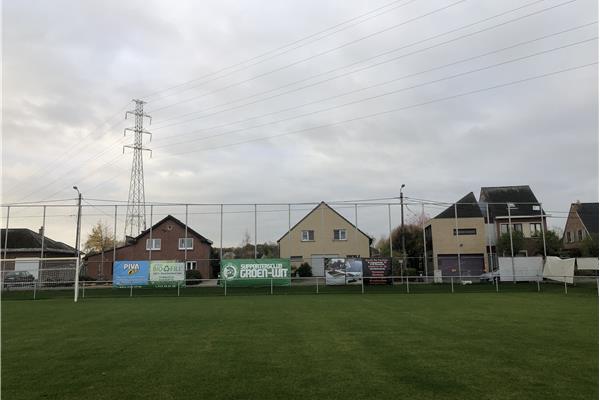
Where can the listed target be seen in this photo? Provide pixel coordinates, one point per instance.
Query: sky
(295, 102)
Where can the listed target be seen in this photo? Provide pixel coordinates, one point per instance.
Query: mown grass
(512, 345)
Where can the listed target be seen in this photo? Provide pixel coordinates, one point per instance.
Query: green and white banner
(167, 274)
(256, 272)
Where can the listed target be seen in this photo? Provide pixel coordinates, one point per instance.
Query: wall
(323, 221)
(445, 242)
(572, 225)
(169, 232)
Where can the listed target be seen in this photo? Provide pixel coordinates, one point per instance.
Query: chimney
(41, 231)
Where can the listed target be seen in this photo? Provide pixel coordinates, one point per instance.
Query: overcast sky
(358, 97)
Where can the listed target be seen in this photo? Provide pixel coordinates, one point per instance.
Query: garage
(470, 264)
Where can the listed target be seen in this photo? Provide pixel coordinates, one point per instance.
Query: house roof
(178, 222)
(337, 213)
(521, 196)
(588, 213)
(467, 207)
(26, 240)
(162, 221)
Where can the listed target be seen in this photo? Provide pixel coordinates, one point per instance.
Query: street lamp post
(77, 245)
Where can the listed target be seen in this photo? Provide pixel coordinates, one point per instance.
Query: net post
(452, 283)
(225, 283)
(317, 279)
(424, 241)
(83, 289)
(407, 288)
(362, 284)
(34, 288)
(565, 284)
(271, 285)
(496, 280)
(177, 289)
(130, 291)
(6, 236)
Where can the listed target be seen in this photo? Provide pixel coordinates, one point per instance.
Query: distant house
(513, 208)
(168, 242)
(582, 222)
(323, 233)
(456, 238)
(25, 247)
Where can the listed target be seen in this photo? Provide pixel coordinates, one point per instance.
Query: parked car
(490, 276)
(18, 279)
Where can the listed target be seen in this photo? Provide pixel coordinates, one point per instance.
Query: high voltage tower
(135, 220)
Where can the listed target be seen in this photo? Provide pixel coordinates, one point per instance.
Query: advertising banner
(376, 271)
(131, 273)
(354, 271)
(258, 272)
(335, 271)
(167, 274)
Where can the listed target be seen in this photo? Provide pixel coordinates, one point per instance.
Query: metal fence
(392, 285)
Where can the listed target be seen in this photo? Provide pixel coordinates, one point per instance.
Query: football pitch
(338, 346)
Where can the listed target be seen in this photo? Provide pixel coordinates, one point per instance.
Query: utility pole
(402, 227)
(77, 245)
(135, 221)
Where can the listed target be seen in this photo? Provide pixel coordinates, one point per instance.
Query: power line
(376, 114)
(446, 98)
(379, 84)
(321, 53)
(78, 146)
(382, 94)
(293, 43)
(390, 52)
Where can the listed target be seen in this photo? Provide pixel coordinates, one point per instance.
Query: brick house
(168, 242)
(581, 223)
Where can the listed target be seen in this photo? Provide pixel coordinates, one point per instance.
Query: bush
(410, 272)
(304, 270)
(192, 276)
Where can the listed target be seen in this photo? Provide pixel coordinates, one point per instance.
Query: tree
(100, 239)
(589, 246)
(413, 238)
(518, 243)
(553, 243)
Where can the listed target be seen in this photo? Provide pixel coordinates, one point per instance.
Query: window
(308, 236)
(339, 234)
(186, 243)
(465, 231)
(535, 229)
(190, 265)
(536, 208)
(579, 235)
(569, 238)
(296, 259)
(518, 227)
(152, 244)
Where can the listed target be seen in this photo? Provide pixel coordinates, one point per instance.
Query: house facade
(510, 209)
(581, 223)
(456, 239)
(165, 240)
(31, 251)
(323, 233)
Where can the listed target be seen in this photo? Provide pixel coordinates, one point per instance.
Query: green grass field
(522, 345)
